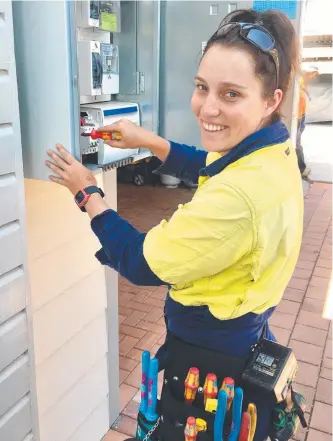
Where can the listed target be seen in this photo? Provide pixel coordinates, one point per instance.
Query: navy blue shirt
(122, 250)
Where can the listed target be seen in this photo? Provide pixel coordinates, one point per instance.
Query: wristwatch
(82, 196)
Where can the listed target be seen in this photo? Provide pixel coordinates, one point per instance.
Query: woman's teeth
(213, 127)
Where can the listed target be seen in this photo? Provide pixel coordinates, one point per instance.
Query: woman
(229, 254)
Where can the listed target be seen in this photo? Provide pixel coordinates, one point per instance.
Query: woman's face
(228, 98)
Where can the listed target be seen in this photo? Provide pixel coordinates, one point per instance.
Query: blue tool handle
(236, 414)
(220, 415)
(151, 414)
(145, 358)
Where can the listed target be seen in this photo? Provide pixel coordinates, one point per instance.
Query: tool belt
(173, 411)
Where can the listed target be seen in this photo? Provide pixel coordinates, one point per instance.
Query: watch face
(79, 197)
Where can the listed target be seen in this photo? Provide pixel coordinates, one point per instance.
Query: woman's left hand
(71, 173)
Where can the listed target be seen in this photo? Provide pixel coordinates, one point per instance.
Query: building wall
(68, 298)
(17, 389)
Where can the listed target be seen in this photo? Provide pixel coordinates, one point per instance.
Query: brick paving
(297, 321)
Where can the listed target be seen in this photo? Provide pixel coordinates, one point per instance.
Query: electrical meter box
(98, 68)
(100, 14)
(55, 68)
(100, 115)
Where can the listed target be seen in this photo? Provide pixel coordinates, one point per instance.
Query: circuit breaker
(98, 68)
(94, 116)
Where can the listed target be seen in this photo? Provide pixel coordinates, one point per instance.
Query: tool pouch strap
(298, 409)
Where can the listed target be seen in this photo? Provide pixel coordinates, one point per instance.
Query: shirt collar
(268, 136)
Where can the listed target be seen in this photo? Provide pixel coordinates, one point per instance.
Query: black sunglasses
(259, 37)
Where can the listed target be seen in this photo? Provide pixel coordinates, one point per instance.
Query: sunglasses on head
(257, 36)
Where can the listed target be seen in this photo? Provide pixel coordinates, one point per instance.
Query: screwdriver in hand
(105, 136)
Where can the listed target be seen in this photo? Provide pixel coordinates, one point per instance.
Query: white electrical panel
(98, 68)
(99, 115)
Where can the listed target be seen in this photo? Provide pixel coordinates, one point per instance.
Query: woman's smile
(210, 127)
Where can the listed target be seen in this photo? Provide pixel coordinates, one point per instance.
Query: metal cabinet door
(185, 26)
(45, 51)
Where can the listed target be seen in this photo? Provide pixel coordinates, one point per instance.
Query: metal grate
(117, 164)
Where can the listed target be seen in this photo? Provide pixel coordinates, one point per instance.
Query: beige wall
(68, 292)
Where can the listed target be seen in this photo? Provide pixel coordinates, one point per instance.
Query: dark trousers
(299, 148)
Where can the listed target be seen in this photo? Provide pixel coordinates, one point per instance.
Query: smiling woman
(228, 99)
(228, 255)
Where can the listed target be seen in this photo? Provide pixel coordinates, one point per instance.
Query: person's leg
(299, 148)
(303, 168)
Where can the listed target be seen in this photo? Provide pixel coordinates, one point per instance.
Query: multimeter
(271, 367)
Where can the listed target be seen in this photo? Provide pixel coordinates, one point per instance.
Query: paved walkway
(297, 321)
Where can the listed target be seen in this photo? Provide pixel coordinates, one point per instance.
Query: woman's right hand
(132, 135)
(135, 137)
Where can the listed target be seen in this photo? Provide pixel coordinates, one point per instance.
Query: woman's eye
(201, 87)
(232, 94)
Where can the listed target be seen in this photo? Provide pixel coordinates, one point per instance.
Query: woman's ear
(273, 103)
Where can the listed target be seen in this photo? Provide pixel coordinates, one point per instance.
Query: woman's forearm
(96, 205)
(159, 146)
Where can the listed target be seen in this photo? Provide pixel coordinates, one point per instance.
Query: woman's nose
(211, 107)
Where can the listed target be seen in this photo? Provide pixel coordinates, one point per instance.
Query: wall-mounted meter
(110, 60)
(102, 14)
(98, 68)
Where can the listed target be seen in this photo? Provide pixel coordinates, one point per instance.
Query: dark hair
(287, 46)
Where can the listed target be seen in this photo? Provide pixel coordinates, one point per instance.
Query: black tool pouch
(173, 410)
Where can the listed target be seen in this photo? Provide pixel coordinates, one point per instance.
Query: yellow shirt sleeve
(203, 237)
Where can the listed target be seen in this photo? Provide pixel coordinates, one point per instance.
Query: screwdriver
(191, 385)
(210, 387)
(106, 136)
(229, 387)
(191, 429)
(245, 429)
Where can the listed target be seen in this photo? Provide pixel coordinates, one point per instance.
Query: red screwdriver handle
(105, 136)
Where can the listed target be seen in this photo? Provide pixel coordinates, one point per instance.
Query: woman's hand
(71, 173)
(135, 137)
(132, 135)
